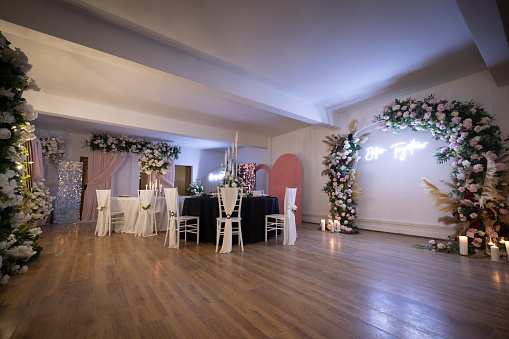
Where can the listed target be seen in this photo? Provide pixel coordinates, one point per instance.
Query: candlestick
(463, 245)
(495, 255)
(322, 224)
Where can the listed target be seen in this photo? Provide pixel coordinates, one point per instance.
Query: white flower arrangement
(52, 149)
(18, 242)
(38, 203)
(294, 208)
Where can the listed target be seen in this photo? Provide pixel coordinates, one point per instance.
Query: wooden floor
(370, 285)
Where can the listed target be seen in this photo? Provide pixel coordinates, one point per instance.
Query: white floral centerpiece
(52, 149)
(18, 242)
(231, 167)
(195, 189)
(479, 187)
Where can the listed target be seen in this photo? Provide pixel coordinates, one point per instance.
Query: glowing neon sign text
(401, 150)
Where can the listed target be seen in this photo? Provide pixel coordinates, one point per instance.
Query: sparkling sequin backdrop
(67, 205)
(247, 173)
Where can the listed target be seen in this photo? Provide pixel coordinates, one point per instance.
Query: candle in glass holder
(495, 255)
(463, 245)
(322, 224)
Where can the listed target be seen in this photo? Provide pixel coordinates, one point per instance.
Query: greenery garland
(479, 186)
(342, 189)
(18, 241)
(153, 157)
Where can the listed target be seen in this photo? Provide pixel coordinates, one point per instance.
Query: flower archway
(476, 201)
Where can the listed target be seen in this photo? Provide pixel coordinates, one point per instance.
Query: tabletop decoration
(153, 157)
(52, 149)
(231, 167)
(18, 241)
(195, 188)
(342, 188)
(479, 182)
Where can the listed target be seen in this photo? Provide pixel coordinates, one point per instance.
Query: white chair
(146, 225)
(230, 204)
(178, 223)
(284, 222)
(106, 217)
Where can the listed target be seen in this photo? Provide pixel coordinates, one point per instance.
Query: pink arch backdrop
(286, 172)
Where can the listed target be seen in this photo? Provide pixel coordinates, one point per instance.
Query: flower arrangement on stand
(342, 187)
(18, 242)
(52, 149)
(195, 188)
(479, 181)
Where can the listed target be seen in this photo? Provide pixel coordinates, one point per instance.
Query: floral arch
(476, 202)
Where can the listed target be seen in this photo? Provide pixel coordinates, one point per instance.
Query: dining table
(130, 207)
(253, 213)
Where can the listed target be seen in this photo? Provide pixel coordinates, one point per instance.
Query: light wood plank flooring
(370, 285)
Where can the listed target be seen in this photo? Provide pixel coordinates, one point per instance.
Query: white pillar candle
(332, 224)
(463, 245)
(336, 225)
(495, 255)
(507, 249)
(322, 224)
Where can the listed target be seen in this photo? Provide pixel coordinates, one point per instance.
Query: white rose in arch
(5, 133)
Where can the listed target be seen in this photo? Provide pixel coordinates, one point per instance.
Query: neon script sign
(400, 150)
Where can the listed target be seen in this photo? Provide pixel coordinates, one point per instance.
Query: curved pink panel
(287, 172)
(263, 166)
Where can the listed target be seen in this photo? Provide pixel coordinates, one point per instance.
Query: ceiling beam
(485, 22)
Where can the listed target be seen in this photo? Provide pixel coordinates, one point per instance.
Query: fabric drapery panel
(171, 195)
(101, 167)
(103, 200)
(290, 231)
(168, 179)
(229, 196)
(37, 161)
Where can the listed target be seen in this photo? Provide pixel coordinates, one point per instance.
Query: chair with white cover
(106, 217)
(284, 222)
(146, 225)
(229, 220)
(178, 223)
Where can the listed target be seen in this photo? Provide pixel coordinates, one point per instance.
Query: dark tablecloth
(253, 214)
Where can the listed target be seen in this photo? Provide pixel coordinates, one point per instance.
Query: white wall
(394, 199)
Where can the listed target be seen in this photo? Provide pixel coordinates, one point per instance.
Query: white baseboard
(421, 230)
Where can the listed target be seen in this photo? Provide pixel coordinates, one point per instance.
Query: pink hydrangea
(478, 168)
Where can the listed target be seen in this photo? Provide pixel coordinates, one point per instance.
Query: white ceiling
(199, 70)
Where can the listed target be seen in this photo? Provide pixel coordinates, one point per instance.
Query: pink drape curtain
(101, 167)
(37, 166)
(168, 179)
